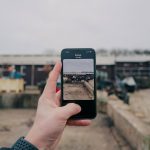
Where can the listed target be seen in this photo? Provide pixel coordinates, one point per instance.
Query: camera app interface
(78, 79)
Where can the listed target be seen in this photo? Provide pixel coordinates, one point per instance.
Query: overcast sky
(33, 26)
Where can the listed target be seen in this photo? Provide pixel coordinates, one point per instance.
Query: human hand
(51, 119)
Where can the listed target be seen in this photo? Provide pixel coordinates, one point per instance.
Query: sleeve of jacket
(21, 144)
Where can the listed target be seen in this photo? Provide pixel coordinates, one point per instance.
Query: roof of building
(134, 58)
(28, 59)
(105, 60)
(49, 59)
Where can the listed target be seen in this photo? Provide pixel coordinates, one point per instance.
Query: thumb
(70, 110)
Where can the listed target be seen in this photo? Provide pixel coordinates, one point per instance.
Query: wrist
(33, 138)
(36, 138)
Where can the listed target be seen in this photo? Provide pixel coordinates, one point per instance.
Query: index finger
(50, 88)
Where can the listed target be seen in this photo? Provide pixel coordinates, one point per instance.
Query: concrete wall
(136, 132)
(20, 100)
(89, 87)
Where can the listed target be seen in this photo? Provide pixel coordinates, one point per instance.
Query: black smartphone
(78, 80)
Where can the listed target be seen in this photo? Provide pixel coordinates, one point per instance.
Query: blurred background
(32, 34)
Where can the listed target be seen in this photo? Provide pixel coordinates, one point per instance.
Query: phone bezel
(85, 104)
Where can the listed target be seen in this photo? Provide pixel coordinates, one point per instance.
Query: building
(106, 64)
(133, 66)
(123, 66)
(29, 65)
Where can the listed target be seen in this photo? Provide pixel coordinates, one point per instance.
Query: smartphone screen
(78, 80)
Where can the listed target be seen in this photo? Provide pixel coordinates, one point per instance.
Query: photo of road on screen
(78, 79)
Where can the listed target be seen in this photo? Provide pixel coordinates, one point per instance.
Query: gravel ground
(99, 136)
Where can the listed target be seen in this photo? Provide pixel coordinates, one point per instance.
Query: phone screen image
(78, 79)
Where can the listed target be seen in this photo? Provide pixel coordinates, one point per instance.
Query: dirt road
(16, 122)
(74, 91)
